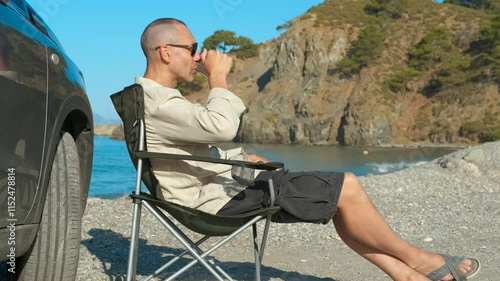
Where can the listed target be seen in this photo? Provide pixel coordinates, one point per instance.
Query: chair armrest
(269, 166)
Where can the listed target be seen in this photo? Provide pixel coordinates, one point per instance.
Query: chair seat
(202, 222)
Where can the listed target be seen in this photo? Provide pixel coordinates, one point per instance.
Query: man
(174, 125)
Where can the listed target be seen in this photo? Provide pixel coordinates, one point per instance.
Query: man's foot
(452, 268)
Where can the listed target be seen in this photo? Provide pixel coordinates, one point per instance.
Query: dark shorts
(303, 196)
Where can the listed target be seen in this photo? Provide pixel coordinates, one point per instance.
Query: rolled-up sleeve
(175, 119)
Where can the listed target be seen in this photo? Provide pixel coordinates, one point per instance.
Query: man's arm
(178, 120)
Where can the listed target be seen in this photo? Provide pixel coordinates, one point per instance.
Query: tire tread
(56, 251)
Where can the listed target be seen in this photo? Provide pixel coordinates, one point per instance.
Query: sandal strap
(451, 266)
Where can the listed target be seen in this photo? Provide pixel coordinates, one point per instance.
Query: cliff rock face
(291, 104)
(295, 95)
(299, 100)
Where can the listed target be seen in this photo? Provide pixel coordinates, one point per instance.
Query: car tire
(56, 250)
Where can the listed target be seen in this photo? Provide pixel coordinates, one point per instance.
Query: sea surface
(114, 175)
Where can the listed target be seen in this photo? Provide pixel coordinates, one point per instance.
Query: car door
(23, 101)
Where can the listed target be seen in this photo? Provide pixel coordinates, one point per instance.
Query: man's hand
(257, 158)
(218, 66)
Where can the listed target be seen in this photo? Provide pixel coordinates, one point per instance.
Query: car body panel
(23, 76)
(42, 94)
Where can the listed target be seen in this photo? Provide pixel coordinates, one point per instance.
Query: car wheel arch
(74, 117)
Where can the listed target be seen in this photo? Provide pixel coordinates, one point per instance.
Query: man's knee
(351, 188)
(350, 181)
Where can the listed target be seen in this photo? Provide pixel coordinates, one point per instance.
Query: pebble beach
(450, 205)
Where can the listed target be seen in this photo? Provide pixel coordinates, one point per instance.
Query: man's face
(183, 65)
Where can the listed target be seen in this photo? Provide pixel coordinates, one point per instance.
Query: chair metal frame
(192, 248)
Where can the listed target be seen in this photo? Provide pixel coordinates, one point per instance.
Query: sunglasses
(193, 48)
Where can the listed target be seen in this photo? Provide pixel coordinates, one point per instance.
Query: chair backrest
(129, 104)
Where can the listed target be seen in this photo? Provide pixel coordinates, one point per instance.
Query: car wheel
(56, 251)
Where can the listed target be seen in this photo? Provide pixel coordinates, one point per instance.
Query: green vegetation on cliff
(452, 63)
(227, 41)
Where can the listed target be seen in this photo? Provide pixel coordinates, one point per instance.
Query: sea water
(114, 175)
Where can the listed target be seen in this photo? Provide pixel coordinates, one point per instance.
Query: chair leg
(134, 239)
(264, 238)
(200, 256)
(174, 259)
(215, 247)
(194, 245)
(197, 248)
(256, 252)
(181, 239)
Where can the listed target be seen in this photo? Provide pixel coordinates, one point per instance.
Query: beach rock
(475, 156)
(447, 163)
(469, 168)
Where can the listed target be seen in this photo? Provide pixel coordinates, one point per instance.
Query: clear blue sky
(102, 37)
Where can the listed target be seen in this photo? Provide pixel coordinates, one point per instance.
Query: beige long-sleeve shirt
(175, 125)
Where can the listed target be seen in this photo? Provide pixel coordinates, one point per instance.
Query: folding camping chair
(129, 103)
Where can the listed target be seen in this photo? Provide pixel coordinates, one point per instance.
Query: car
(46, 149)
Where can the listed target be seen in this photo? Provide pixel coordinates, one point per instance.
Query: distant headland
(115, 131)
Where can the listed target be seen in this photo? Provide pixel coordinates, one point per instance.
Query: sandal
(452, 266)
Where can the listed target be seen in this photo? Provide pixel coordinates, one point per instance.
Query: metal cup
(200, 69)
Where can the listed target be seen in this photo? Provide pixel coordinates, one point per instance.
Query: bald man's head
(158, 32)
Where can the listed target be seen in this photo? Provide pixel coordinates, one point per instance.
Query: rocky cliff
(295, 94)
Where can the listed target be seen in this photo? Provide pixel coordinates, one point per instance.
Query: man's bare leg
(395, 268)
(362, 222)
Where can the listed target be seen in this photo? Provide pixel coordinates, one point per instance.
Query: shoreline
(114, 131)
(108, 131)
(428, 145)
